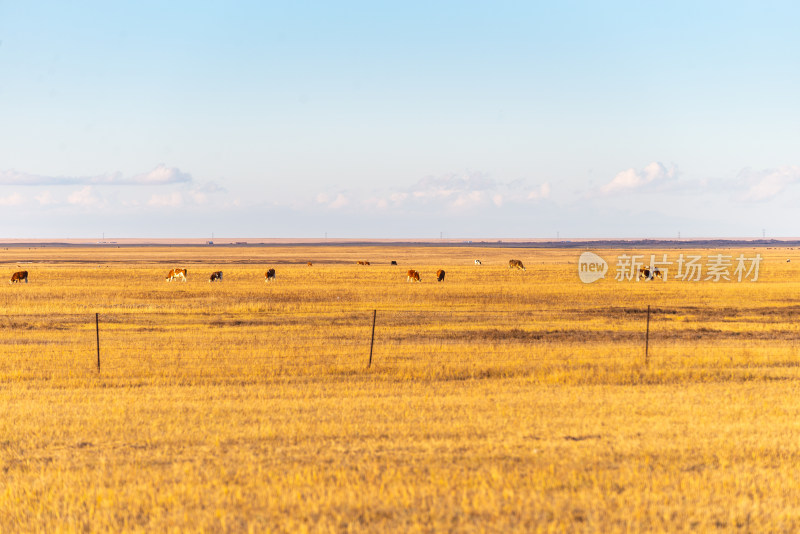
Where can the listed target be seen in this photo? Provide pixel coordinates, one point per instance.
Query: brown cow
(310, 264)
(413, 276)
(176, 273)
(269, 276)
(363, 262)
(515, 264)
(19, 276)
(440, 275)
(217, 275)
(393, 262)
(648, 273)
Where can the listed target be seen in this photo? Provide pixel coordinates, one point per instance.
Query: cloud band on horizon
(160, 175)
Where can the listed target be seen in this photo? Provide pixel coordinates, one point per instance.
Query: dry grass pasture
(497, 400)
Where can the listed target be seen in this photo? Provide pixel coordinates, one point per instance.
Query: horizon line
(535, 242)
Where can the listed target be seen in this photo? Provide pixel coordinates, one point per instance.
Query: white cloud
(13, 177)
(451, 192)
(457, 190)
(46, 198)
(14, 199)
(161, 175)
(198, 197)
(211, 188)
(543, 191)
(83, 197)
(339, 202)
(376, 202)
(631, 179)
(469, 191)
(467, 199)
(172, 200)
(768, 183)
(202, 195)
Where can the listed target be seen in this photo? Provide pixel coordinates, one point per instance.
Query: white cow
(176, 274)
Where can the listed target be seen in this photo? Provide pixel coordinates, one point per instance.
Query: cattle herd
(269, 276)
(647, 273)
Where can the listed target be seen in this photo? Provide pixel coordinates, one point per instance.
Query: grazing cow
(515, 264)
(310, 264)
(19, 276)
(393, 263)
(176, 273)
(648, 273)
(217, 275)
(362, 262)
(477, 262)
(440, 275)
(413, 276)
(269, 276)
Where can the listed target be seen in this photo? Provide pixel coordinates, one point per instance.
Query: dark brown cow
(269, 276)
(393, 263)
(440, 275)
(363, 262)
(217, 275)
(19, 276)
(413, 276)
(176, 273)
(515, 264)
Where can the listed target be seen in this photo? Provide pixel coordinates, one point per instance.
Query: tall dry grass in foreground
(497, 400)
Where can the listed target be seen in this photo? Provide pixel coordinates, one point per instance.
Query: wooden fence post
(97, 330)
(372, 341)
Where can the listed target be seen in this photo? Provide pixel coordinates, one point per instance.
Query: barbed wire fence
(208, 346)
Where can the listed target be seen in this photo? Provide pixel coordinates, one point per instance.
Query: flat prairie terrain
(496, 400)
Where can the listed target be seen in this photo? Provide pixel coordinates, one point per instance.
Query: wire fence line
(203, 344)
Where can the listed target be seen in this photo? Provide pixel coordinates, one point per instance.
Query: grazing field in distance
(497, 399)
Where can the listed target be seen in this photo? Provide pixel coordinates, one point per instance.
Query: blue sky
(399, 120)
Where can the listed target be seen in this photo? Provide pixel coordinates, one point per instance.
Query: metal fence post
(97, 330)
(372, 341)
(647, 338)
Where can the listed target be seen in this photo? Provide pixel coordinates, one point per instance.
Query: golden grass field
(497, 400)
